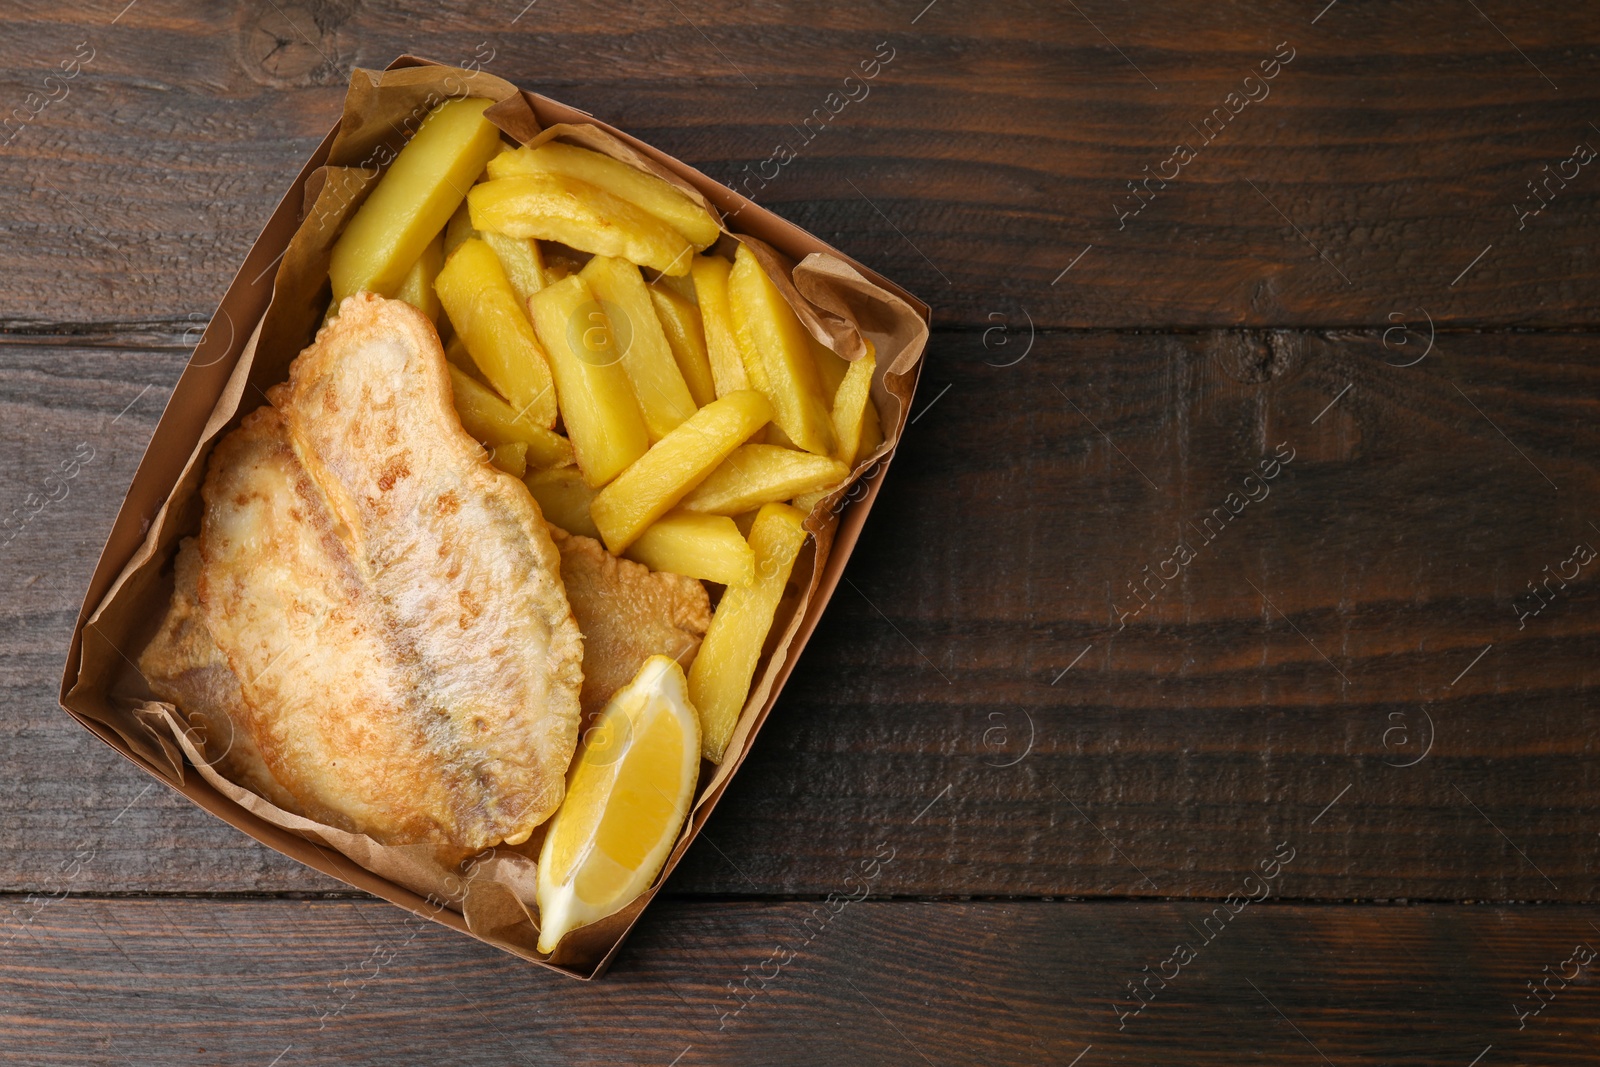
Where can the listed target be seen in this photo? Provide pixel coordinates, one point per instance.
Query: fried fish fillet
(390, 605)
(184, 667)
(628, 613)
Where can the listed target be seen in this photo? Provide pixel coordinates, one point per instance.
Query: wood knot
(293, 44)
(1255, 356)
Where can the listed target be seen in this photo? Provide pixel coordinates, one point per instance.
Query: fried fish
(389, 605)
(628, 613)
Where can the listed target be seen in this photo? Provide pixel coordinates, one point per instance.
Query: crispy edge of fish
(184, 667)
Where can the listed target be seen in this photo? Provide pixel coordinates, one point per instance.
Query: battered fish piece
(389, 603)
(628, 613)
(185, 668)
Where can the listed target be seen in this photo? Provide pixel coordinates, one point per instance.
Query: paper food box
(271, 312)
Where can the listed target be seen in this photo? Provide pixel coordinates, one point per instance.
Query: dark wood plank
(297, 982)
(68, 793)
(982, 160)
(1298, 663)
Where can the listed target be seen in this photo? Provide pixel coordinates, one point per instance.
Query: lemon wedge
(628, 791)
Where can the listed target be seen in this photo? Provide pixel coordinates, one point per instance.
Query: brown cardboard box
(268, 315)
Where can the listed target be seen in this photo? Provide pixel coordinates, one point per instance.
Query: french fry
(459, 229)
(644, 190)
(685, 333)
(511, 457)
(683, 285)
(413, 200)
(708, 547)
(831, 367)
(754, 475)
(871, 433)
(719, 680)
(556, 208)
(564, 498)
(850, 406)
(491, 420)
(486, 314)
(597, 402)
(722, 348)
(665, 475)
(522, 262)
(417, 288)
(770, 334)
(658, 385)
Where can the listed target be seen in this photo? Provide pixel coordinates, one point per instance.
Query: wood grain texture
(1326, 638)
(359, 982)
(992, 149)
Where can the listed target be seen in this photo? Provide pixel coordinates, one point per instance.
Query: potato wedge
(522, 262)
(597, 402)
(644, 190)
(648, 489)
(556, 208)
(417, 288)
(722, 348)
(686, 335)
(511, 457)
(850, 405)
(770, 334)
(708, 547)
(491, 420)
(719, 680)
(755, 474)
(413, 200)
(485, 312)
(564, 498)
(658, 385)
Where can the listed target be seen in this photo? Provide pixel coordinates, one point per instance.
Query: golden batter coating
(389, 603)
(628, 613)
(184, 667)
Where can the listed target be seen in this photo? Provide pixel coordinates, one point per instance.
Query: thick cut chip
(831, 367)
(777, 351)
(417, 289)
(413, 199)
(663, 397)
(493, 324)
(719, 681)
(685, 333)
(494, 422)
(597, 402)
(564, 498)
(655, 195)
(722, 347)
(709, 547)
(627, 614)
(579, 215)
(390, 604)
(850, 405)
(762, 474)
(664, 475)
(523, 263)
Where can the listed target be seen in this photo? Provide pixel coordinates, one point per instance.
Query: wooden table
(1098, 677)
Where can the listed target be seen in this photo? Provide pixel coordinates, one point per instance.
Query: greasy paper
(490, 895)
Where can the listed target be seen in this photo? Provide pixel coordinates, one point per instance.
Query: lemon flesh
(628, 792)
